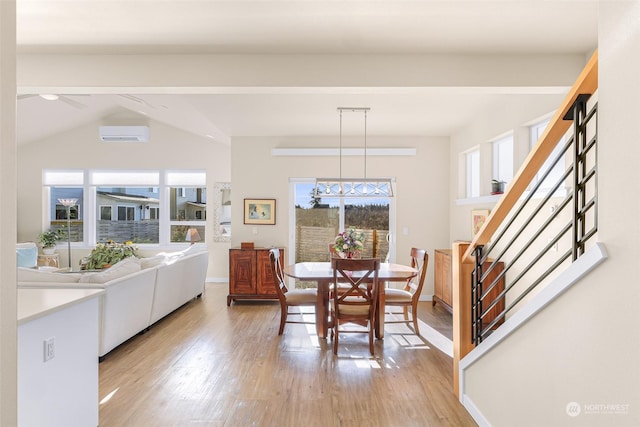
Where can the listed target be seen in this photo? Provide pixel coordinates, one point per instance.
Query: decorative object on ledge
(68, 203)
(246, 245)
(192, 236)
(349, 243)
(497, 187)
(478, 218)
(353, 187)
(260, 211)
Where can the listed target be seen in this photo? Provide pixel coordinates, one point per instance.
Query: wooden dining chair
(410, 294)
(357, 304)
(290, 298)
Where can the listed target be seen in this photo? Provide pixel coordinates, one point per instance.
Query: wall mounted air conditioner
(124, 133)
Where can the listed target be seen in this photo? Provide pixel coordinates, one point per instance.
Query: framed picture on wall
(260, 211)
(478, 217)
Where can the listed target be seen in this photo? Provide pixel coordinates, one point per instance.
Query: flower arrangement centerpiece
(349, 243)
(106, 254)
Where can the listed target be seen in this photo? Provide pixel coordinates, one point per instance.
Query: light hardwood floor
(211, 365)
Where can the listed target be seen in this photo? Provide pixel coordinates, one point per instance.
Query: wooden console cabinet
(443, 291)
(250, 274)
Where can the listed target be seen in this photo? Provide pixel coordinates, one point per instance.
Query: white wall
(585, 347)
(422, 203)
(168, 148)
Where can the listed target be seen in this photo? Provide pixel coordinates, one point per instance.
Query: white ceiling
(312, 27)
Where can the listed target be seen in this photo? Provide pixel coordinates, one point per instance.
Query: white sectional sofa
(138, 292)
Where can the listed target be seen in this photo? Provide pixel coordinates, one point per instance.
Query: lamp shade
(192, 236)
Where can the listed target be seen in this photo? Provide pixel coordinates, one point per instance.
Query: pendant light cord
(365, 146)
(340, 145)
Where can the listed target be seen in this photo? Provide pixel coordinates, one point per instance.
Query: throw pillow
(123, 268)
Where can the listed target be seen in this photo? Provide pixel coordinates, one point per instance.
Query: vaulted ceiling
(351, 27)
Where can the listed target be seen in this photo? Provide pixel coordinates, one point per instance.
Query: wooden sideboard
(443, 290)
(250, 274)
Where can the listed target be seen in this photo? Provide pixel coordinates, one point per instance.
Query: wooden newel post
(461, 284)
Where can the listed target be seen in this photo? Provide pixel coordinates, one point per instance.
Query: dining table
(322, 274)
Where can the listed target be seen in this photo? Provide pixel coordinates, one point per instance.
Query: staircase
(541, 238)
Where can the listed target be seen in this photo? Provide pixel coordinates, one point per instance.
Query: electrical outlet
(49, 349)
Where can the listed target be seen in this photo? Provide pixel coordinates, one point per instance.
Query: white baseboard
(217, 280)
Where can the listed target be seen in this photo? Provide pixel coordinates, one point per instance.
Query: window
(105, 213)
(535, 132)
(153, 213)
(503, 159)
(187, 202)
(58, 213)
(126, 213)
(130, 204)
(472, 159)
(127, 205)
(319, 220)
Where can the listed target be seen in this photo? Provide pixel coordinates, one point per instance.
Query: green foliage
(107, 254)
(49, 238)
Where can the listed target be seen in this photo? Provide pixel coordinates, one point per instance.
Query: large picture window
(129, 205)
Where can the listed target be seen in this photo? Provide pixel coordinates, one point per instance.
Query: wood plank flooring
(211, 365)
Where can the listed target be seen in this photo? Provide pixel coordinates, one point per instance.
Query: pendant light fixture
(353, 187)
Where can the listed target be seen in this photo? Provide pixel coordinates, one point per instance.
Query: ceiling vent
(124, 133)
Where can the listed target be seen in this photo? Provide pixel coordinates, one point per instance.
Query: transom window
(472, 160)
(503, 159)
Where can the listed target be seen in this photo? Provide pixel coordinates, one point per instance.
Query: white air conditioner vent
(124, 133)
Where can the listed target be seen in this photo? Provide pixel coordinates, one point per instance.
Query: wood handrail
(587, 82)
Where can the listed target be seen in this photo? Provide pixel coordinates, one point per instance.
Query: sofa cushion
(31, 275)
(123, 268)
(27, 254)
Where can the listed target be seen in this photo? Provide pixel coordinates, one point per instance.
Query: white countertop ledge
(35, 303)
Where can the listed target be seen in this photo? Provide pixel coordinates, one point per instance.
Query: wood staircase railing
(463, 258)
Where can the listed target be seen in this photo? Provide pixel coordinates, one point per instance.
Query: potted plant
(497, 187)
(104, 255)
(48, 240)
